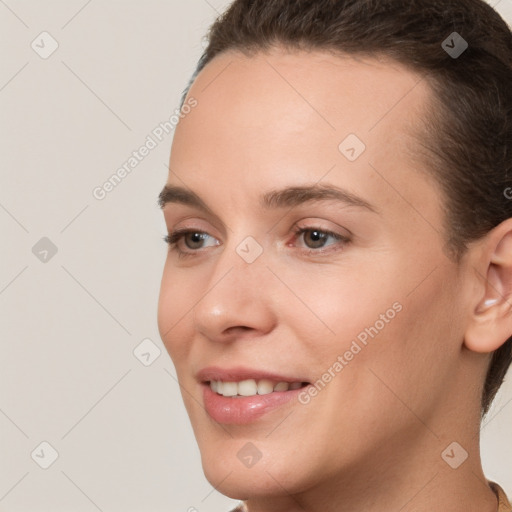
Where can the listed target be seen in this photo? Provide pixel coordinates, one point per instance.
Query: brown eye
(320, 241)
(315, 239)
(193, 240)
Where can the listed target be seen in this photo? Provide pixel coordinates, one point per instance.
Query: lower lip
(241, 410)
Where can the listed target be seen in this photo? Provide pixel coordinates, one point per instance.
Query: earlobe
(491, 321)
(490, 327)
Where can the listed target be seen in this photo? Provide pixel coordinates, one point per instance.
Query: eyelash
(174, 238)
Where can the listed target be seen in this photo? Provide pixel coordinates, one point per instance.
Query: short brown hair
(467, 136)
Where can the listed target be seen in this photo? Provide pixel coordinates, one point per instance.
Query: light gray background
(70, 325)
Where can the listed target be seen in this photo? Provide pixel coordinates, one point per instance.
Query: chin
(241, 483)
(226, 471)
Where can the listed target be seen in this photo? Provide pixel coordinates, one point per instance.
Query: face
(309, 259)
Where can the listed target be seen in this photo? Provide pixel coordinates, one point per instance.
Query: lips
(243, 395)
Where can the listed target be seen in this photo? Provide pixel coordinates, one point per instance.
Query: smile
(252, 387)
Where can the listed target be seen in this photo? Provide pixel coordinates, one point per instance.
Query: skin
(372, 439)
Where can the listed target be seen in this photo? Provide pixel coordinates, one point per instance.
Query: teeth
(247, 387)
(251, 387)
(281, 386)
(229, 388)
(265, 387)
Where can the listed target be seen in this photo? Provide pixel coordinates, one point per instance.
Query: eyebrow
(288, 197)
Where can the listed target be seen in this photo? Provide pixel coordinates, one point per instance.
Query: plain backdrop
(87, 389)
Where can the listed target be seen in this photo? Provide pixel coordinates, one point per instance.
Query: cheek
(400, 323)
(431, 332)
(409, 359)
(175, 303)
(335, 305)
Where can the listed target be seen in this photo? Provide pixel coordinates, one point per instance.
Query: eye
(193, 240)
(316, 238)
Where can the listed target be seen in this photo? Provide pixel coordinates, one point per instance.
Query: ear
(491, 319)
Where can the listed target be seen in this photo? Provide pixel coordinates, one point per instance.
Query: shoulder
(504, 503)
(242, 508)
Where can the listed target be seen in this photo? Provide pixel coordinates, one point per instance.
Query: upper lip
(239, 373)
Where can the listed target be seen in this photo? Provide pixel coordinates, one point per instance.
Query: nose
(238, 300)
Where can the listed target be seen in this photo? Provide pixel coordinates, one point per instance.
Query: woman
(335, 297)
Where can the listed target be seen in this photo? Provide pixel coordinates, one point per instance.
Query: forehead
(301, 99)
(285, 117)
(337, 89)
